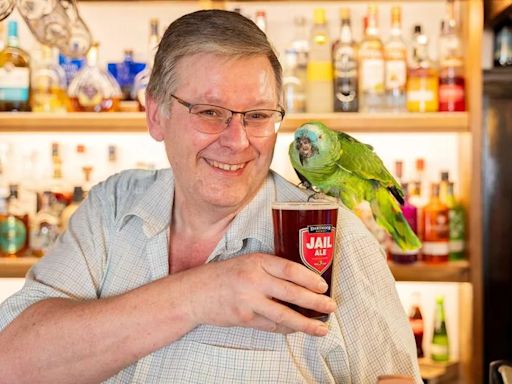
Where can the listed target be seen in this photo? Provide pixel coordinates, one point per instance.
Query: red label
(316, 245)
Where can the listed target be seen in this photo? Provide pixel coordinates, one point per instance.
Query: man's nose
(235, 135)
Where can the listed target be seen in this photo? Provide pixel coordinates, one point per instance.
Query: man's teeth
(226, 167)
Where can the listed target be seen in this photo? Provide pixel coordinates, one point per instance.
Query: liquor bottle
(71, 66)
(416, 321)
(93, 89)
(57, 184)
(503, 43)
(410, 213)
(78, 196)
(125, 72)
(319, 94)
(300, 45)
(14, 226)
(436, 229)
(261, 20)
(344, 54)
(395, 60)
(142, 79)
(452, 89)
(440, 348)
(49, 89)
(44, 226)
(457, 217)
(112, 161)
(422, 77)
(371, 66)
(14, 73)
(294, 93)
(443, 186)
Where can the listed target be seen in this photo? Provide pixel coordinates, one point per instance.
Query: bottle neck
(345, 32)
(92, 56)
(13, 41)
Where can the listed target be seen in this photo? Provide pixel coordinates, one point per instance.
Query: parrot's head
(315, 149)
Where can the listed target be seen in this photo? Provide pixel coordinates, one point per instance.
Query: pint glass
(305, 232)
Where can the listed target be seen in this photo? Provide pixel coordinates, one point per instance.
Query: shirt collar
(154, 205)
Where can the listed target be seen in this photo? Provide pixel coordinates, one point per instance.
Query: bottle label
(439, 349)
(395, 74)
(372, 75)
(451, 93)
(14, 83)
(437, 227)
(89, 96)
(456, 246)
(320, 71)
(417, 326)
(316, 246)
(435, 248)
(13, 235)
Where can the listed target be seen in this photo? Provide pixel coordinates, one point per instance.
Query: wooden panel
(120, 122)
(457, 271)
(16, 267)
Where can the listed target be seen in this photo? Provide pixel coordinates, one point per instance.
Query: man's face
(224, 169)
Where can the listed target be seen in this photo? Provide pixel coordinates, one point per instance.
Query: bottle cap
(344, 13)
(12, 28)
(319, 16)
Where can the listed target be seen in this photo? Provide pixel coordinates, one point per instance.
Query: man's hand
(241, 292)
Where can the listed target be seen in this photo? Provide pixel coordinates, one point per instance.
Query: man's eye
(258, 115)
(211, 113)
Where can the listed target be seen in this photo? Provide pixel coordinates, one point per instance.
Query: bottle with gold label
(49, 90)
(371, 65)
(14, 226)
(422, 77)
(319, 90)
(14, 73)
(93, 89)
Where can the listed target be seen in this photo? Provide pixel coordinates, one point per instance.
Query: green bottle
(457, 225)
(440, 347)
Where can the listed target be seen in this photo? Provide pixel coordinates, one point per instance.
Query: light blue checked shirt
(118, 240)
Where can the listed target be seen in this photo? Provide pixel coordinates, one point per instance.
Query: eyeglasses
(214, 119)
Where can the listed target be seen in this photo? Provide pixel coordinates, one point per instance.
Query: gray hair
(218, 32)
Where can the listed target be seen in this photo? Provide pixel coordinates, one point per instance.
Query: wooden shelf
(453, 271)
(130, 122)
(16, 266)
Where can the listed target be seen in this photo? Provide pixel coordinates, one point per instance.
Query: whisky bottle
(294, 93)
(345, 67)
(395, 68)
(440, 347)
(14, 226)
(93, 89)
(436, 229)
(371, 65)
(14, 73)
(319, 94)
(49, 90)
(422, 77)
(141, 81)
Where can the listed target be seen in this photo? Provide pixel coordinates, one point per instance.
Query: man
(169, 277)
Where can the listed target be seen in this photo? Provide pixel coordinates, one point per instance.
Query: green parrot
(338, 165)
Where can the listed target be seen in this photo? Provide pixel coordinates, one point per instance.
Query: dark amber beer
(305, 232)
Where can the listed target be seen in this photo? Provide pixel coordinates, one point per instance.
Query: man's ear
(153, 119)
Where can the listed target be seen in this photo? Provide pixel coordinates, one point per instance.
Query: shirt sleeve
(372, 321)
(73, 266)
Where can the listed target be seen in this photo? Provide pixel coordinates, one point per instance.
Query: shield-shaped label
(316, 246)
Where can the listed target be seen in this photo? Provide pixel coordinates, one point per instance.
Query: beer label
(316, 246)
(13, 235)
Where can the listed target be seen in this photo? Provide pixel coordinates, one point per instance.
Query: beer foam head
(303, 205)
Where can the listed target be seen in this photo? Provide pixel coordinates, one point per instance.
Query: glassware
(35, 9)
(14, 73)
(141, 81)
(6, 7)
(49, 90)
(51, 29)
(93, 89)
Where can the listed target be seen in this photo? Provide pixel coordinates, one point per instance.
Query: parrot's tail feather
(399, 195)
(388, 214)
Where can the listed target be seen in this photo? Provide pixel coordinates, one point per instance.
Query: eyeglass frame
(189, 106)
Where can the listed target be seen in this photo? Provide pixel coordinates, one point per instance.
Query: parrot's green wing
(360, 159)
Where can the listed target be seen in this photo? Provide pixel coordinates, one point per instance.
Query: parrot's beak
(304, 147)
